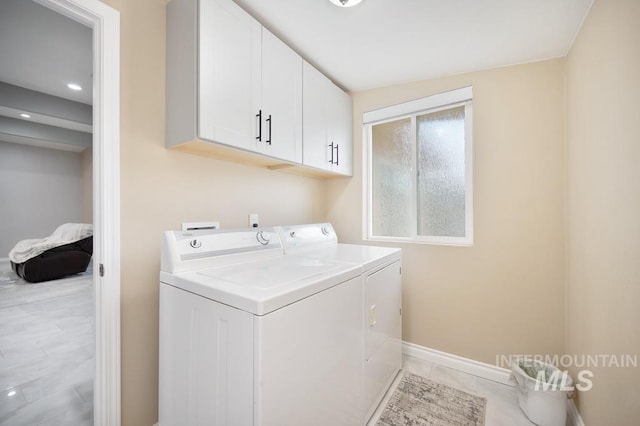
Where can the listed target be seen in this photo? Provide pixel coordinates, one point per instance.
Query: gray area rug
(418, 401)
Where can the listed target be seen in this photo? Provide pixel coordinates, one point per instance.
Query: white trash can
(543, 397)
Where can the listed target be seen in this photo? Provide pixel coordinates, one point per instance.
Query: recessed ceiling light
(23, 115)
(74, 86)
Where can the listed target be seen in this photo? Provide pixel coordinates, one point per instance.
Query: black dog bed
(57, 262)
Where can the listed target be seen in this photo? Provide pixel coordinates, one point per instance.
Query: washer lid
(273, 273)
(263, 286)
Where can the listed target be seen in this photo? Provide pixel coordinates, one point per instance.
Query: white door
(105, 23)
(281, 100)
(315, 118)
(229, 74)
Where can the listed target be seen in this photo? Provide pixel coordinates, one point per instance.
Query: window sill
(455, 242)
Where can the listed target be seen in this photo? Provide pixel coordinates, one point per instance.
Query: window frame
(413, 109)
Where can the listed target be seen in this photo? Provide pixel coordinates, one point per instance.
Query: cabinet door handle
(337, 155)
(269, 121)
(331, 146)
(259, 116)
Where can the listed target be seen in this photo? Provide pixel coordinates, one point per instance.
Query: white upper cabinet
(235, 91)
(229, 75)
(327, 123)
(281, 99)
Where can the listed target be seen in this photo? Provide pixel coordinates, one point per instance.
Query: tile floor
(46, 351)
(47, 358)
(502, 400)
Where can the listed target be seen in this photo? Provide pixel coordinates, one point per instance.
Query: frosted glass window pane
(441, 173)
(391, 179)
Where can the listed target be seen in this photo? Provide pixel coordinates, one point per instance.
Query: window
(419, 172)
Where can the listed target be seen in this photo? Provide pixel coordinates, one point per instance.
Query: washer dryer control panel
(307, 236)
(185, 250)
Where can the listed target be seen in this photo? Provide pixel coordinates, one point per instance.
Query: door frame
(105, 22)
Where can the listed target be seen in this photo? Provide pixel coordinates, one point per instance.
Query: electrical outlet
(253, 220)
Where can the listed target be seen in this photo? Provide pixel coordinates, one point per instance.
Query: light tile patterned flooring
(502, 400)
(47, 358)
(47, 354)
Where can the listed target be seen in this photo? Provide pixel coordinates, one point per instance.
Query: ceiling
(44, 51)
(374, 44)
(41, 52)
(384, 42)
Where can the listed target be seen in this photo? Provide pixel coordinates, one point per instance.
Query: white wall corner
(466, 365)
(476, 368)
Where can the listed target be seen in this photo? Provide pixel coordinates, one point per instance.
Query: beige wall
(603, 145)
(504, 295)
(162, 188)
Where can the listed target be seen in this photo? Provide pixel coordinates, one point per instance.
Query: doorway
(104, 23)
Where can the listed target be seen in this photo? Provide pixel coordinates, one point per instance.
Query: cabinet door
(281, 100)
(340, 130)
(315, 150)
(315, 118)
(327, 124)
(229, 74)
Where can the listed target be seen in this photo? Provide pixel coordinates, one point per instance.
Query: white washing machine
(250, 336)
(382, 300)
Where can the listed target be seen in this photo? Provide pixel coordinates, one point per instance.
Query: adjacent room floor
(47, 350)
(502, 400)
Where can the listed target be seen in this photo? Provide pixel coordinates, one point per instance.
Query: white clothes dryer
(382, 300)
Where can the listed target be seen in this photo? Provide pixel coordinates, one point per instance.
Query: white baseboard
(574, 415)
(476, 368)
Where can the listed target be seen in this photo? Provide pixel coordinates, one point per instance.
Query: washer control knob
(292, 234)
(195, 244)
(262, 239)
(325, 230)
